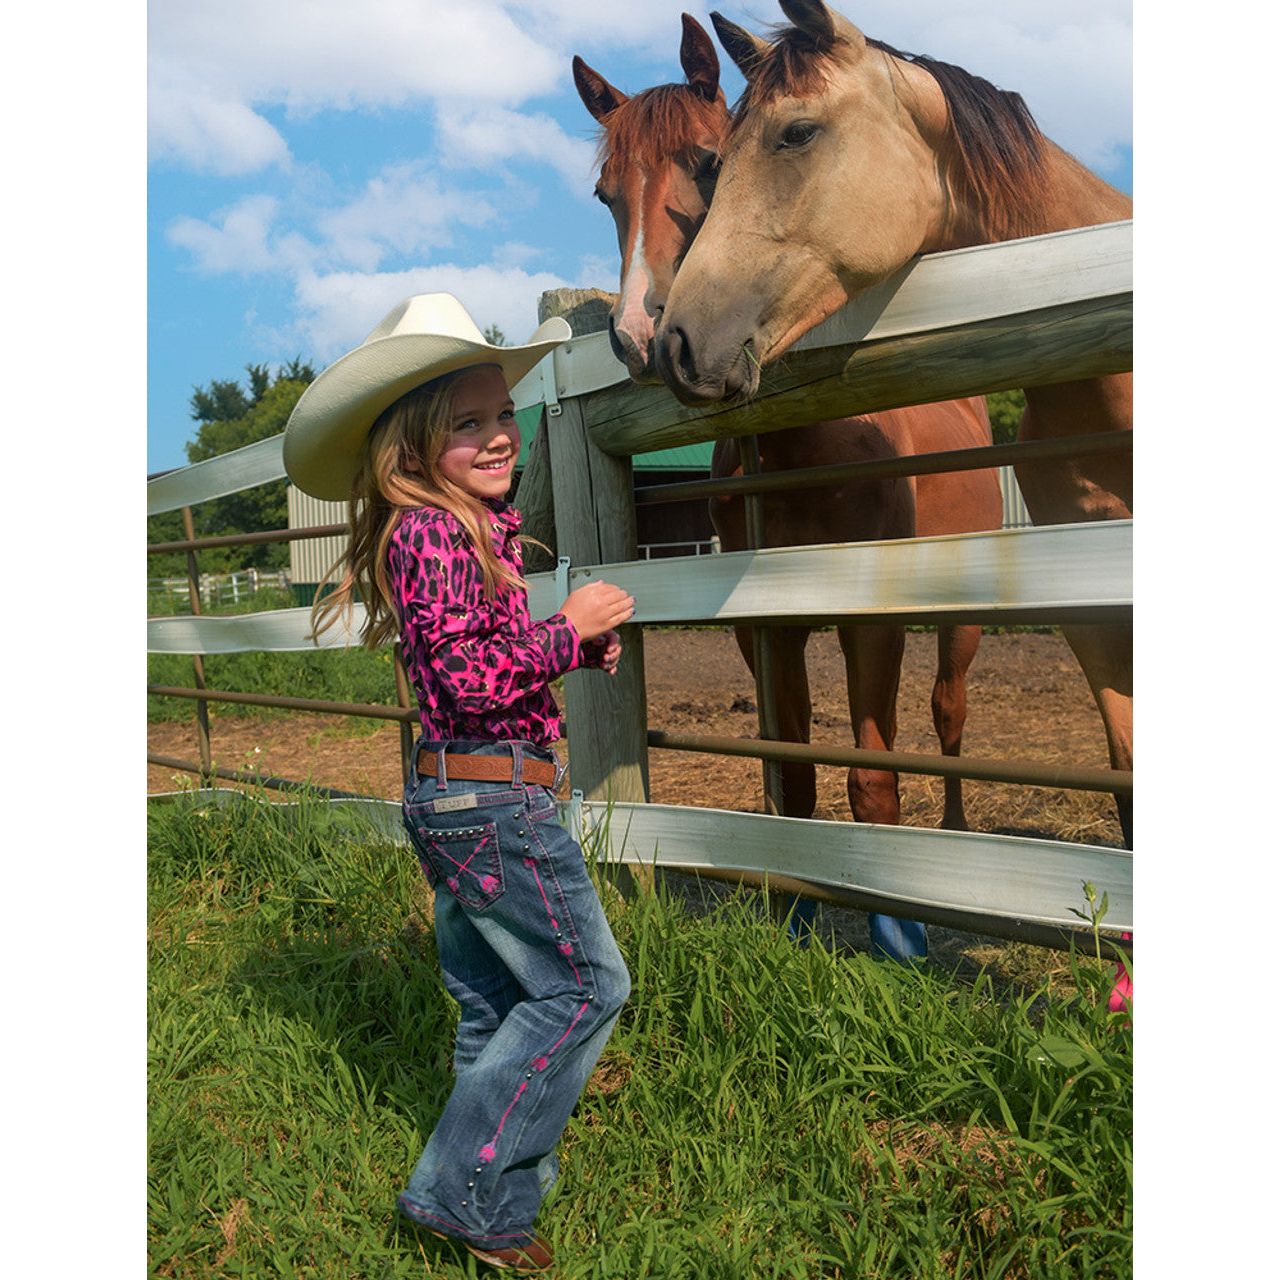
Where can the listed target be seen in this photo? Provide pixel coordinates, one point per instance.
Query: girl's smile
(480, 453)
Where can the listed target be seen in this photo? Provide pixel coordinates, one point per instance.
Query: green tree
(231, 416)
(1004, 408)
(495, 336)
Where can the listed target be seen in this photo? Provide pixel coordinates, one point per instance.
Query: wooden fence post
(595, 523)
(762, 637)
(197, 662)
(536, 505)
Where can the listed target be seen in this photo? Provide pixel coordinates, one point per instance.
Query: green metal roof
(684, 457)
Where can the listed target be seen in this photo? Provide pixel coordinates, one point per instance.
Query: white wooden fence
(216, 589)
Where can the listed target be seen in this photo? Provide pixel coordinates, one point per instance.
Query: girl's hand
(612, 652)
(596, 608)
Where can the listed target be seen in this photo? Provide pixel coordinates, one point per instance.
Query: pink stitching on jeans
(565, 948)
(489, 1151)
(487, 883)
(582, 1009)
(533, 866)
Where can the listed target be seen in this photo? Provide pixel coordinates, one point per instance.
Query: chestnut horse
(845, 159)
(660, 149)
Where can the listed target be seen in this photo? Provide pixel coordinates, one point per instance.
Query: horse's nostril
(674, 358)
(684, 357)
(616, 343)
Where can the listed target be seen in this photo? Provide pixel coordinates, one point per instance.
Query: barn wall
(310, 558)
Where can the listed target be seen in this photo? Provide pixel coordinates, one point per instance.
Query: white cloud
(404, 210)
(240, 243)
(595, 272)
(401, 212)
(212, 66)
(480, 137)
(336, 310)
(515, 254)
(653, 26)
(211, 135)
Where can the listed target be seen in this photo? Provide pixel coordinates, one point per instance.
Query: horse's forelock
(795, 65)
(670, 121)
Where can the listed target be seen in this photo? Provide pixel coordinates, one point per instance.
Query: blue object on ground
(801, 913)
(896, 939)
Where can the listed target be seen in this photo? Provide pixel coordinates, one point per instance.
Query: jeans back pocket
(468, 860)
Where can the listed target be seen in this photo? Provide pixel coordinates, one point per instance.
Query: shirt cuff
(566, 650)
(593, 651)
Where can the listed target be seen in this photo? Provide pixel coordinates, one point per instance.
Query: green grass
(761, 1111)
(164, 604)
(337, 675)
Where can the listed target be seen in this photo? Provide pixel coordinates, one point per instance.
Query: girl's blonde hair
(400, 471)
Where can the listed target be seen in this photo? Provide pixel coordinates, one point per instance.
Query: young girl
(417, 428)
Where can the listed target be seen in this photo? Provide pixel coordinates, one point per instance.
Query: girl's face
(480, 453)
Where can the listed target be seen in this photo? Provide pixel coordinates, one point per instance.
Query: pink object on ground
(1122, 993)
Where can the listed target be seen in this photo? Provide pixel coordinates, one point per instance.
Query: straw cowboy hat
(422, 338)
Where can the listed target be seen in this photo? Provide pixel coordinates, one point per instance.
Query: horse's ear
(745, 49)
(698, 58)
(597, 94)
(822, 25)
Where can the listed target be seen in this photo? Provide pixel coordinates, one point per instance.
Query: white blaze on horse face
(633, 319)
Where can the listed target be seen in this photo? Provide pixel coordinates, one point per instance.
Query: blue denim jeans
(529, 957)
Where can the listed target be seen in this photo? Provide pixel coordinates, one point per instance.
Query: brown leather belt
(467, 768)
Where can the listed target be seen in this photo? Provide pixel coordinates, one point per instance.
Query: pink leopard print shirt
(481, 668)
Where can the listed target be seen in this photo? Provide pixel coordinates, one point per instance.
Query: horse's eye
(600, 195)
(798, 133)
(708, 166)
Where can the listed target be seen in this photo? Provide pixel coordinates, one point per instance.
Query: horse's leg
(1089, 489)
(791, 699)
(873, 664)
(956, 649)
(1105, 654)
(799, 781)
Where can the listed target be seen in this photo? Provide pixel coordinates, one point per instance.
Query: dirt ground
(1027, 701)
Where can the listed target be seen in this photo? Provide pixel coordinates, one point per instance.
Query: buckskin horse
(844, 159)
(660, 150)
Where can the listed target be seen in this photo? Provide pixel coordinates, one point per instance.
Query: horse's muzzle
(678, 364)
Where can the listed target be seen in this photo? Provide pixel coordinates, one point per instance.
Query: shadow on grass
(380, 1005)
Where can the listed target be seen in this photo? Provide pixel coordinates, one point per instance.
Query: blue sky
(312, 162)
